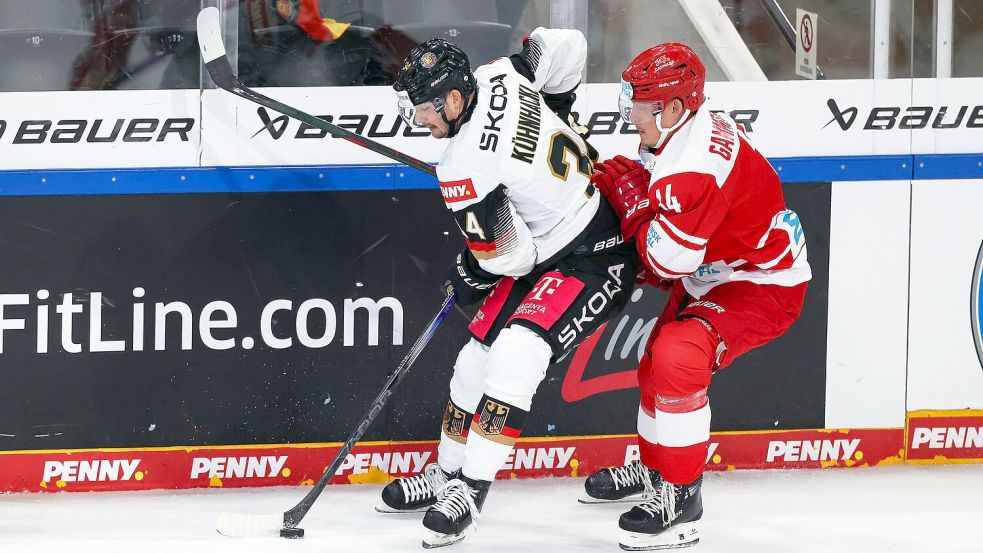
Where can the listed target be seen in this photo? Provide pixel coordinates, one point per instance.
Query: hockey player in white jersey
(544, 251)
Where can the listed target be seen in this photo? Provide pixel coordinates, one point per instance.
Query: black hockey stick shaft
(293, 517)
(218, 66)
(220, 69)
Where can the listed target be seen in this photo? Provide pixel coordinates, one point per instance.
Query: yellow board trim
(939, 460)
(926, 413)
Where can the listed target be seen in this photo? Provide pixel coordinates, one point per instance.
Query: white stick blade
(238, 525)
(210, 34)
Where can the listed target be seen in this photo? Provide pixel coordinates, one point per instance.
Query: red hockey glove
(645, 276)
(625, 184)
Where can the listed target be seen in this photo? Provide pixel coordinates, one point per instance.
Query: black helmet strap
(454, 125)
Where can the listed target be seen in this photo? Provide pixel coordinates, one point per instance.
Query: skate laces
(663, 504)
(646, 475)
(456, 500)
(630, 475)
(423, 485)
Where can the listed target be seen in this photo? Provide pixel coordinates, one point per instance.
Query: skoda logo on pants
(976, 305)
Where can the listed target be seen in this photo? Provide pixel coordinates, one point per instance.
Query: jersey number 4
(560, 144)
(472, 226)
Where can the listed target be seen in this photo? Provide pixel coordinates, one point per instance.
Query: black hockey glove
(468, 280)
(561, 104)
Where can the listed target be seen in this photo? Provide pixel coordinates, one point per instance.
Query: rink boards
(929, 437)
(176, 468)
(237, 281)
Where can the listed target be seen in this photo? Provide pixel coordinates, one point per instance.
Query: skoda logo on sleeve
(976, 305)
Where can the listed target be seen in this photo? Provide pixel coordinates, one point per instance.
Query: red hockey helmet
(660, 74)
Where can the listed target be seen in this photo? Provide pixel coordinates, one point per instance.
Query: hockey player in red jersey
(544, 252)
(708, 217)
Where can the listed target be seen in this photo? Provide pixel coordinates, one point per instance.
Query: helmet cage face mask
(633, 111)
(639, 112)
(407, 110)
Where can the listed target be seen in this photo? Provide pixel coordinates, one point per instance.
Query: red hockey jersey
(722, 215)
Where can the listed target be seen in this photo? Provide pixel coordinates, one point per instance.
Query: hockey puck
(292, 533)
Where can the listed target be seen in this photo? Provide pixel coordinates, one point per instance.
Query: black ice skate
(457, 508)
(416, 493)
(668, 521)
(633, 482)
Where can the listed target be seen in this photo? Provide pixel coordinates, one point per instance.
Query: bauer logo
(844, 118)
(100, 131)
(275, 127)
(99, 470)
(239, 467)
(369, 125)
(884, 118)
(976, 305)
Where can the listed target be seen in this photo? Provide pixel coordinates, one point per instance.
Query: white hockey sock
(466, 387)
(484, 457)
(516, 365)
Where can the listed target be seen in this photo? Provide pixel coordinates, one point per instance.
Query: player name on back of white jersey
(527, 130)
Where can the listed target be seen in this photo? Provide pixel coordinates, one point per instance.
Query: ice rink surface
(925, 509)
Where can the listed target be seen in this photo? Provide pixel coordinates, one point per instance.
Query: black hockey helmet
(431, 70)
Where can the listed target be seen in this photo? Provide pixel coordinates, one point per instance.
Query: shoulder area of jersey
(484, 74)
(479, 139)
(464, 154)
(465, 164)
(722, 136)
(708, 144)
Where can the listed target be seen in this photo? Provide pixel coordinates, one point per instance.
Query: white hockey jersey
(516, 176)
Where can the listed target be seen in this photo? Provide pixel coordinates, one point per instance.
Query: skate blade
(683, 535)
(436, 539)
(636, 498)
(386, 509)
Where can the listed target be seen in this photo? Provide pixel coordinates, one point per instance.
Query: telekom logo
(546, 285)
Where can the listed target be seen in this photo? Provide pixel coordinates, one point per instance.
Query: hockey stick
(220, 69)
(285, 524)
(218, 66)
